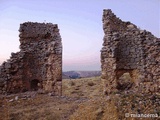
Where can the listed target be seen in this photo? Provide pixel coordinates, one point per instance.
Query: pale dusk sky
(80, 24)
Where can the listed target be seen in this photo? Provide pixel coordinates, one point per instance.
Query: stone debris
(16, 98)
(11, 100)
(38, 64)
(127, 49)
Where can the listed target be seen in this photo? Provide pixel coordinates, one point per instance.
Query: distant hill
(65, 76)
(80, 74)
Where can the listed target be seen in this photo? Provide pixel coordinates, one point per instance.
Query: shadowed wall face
(127, 49)
(38, 65)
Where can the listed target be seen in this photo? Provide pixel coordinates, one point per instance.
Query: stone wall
(127, 49)
(38, 65)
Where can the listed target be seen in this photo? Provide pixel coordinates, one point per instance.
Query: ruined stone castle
(127, 49)
(38, 65)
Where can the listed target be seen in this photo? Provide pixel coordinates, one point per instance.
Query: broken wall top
(33, 31)
(112, 23)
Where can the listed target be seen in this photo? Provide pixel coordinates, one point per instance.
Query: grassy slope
(84, 87)
(82, 100)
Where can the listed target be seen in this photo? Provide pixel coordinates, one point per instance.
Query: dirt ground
(35, 106)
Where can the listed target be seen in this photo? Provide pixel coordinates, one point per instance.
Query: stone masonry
(127, 49)
(38, 65)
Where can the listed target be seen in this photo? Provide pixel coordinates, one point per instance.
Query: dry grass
(42, 107)
(83, 87)
(96, 109)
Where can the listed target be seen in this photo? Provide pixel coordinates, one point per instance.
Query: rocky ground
(82, 100)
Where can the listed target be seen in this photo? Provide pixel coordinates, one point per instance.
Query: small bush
(91, 83)
(71, 83)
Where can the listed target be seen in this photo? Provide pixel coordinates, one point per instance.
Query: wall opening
(124, 80)
(34, 85)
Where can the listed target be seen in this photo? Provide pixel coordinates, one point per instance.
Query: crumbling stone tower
(38, 65)
(127, 49)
